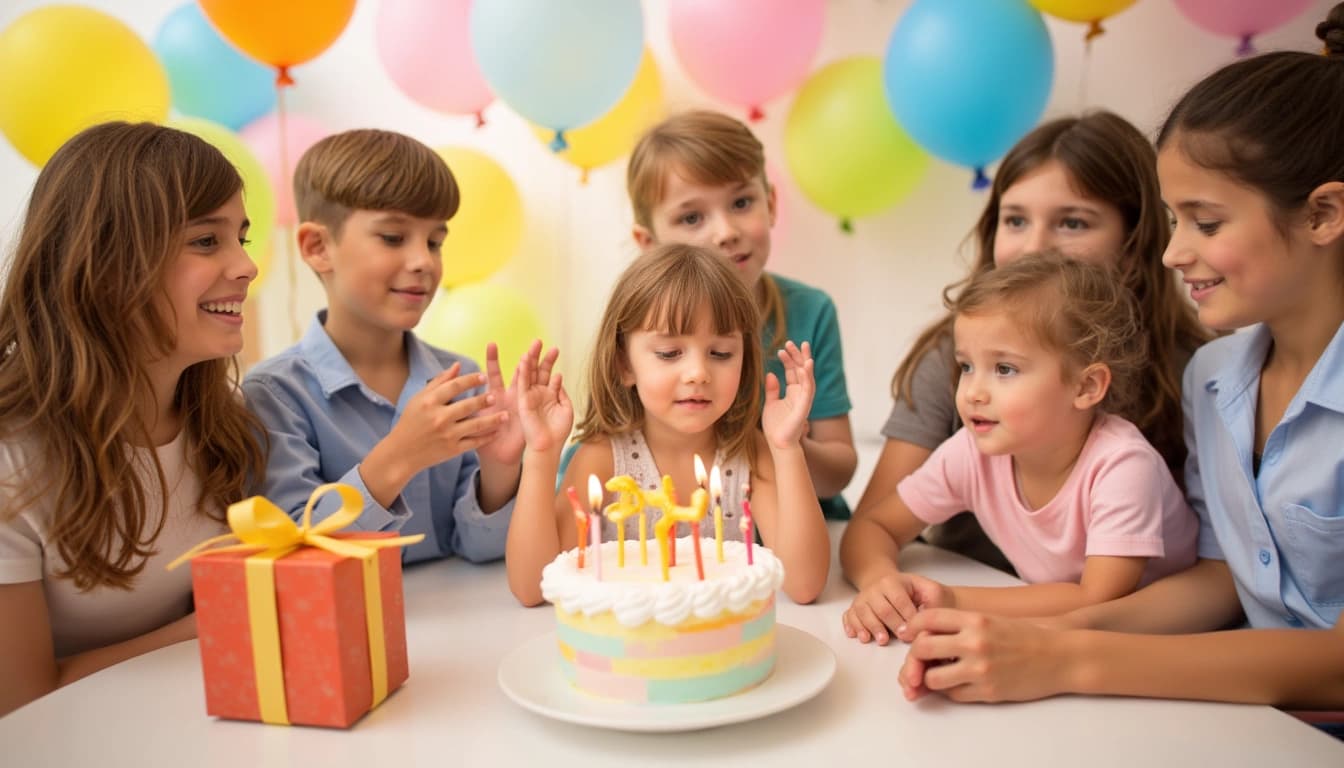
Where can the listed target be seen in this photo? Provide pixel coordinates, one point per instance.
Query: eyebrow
(1194, 205)
(400, 218)
(994, 353)
(1065, 209)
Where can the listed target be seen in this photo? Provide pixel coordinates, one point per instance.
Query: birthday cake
(627, 633)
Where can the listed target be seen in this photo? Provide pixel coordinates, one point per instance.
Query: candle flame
(594, 492)
(715, 482)
(699, 471)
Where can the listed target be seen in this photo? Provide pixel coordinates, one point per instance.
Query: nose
(419, 258)
(243, 267)
(695, 369)
(1038, 239)
(972, 389)
(1177, 255)
(725, 231)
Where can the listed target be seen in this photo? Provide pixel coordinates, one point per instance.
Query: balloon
(64, 68)
(845, 150)
(1243, 19)
(560, 65)
(967, 78)
(466, 318)
(257, 196)
(1086, 11)
(281, 34)
(425, 46)
(209, 77)
(489, 224)
(614, 134)
(263, 138)
(746, 52)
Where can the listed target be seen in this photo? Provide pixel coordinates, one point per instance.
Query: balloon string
(558, 144)
(291, 274)
(1246, 47)
(1085, 71)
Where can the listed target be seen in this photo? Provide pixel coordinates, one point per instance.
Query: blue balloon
(968, 78)
(208, 76)
(558, 64)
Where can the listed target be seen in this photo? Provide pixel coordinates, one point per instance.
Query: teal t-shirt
(809, 315)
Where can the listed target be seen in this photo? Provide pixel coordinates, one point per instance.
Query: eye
(436, 245)
(1013, 221)
(243, 241)
(742, 203)
(1004, 369)
(721, 355)
(667, 354)
(1171, 221)
(689, 219)
(1073, 223)
(1208, 228)
(965, 368)
(205, 242)
(392, 240)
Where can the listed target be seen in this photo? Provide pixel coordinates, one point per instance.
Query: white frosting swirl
(636, 593)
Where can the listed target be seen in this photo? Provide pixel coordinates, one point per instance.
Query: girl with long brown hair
(122, 433)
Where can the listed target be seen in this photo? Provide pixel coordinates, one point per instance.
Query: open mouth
(1202, 285)
(693, 402)
(981, 424)
(228, 308)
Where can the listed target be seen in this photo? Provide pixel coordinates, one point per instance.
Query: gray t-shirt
(933, 389)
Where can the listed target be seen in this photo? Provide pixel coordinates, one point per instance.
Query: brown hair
(1271, 122)
(662, 290)
(1108, 159)
(1074, 308)
(106, 219)
(708, 148)
(372, 170)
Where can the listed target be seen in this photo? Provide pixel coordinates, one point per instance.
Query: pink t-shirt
(1120, 500)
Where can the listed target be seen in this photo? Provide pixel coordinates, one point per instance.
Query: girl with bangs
(676, 373)
(122, 434)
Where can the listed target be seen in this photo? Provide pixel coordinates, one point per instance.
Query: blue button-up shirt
(322, 421)
(1281, 531)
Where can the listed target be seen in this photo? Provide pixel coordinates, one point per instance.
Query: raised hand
(545, 414)
(887, 604)
(436, 426)
(784, 419)
(506, 447)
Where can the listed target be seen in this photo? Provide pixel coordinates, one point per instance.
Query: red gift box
(299, 625)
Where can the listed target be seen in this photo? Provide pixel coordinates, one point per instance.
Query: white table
(461, 621)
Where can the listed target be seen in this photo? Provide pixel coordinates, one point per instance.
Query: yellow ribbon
(256, 522)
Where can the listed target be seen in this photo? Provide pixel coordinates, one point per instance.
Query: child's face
(207, 284)
(384, 269)
(1041, 211)
(1238, 266)
(732, 220)
(685, 383)
(1014, 395)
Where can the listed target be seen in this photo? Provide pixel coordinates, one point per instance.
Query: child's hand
(507, 445)
(784, 420)
(544, 410)
(434, 427)
(975, 657)
(889, 603)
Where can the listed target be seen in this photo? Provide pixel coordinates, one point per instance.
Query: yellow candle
(716, 490)
(666, 499)
(629, 501)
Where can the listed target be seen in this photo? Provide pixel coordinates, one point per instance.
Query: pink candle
(748, 533)
(580, 523)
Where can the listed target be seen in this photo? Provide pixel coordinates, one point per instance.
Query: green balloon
(844, 147)
(465, 318)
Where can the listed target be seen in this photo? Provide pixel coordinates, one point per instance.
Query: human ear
(315, 246)
(770, 201)
(1093, 383)
(1325, 213)
(643, 237)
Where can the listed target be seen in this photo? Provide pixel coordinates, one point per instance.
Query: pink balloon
(262, 136)
(425, 46)
(746, 52)
(1242, 19)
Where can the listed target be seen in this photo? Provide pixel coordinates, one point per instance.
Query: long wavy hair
(661, 291)
(81, 316)
(708, 148)
(1107, 159)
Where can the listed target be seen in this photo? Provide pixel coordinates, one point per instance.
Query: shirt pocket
(1316, 558)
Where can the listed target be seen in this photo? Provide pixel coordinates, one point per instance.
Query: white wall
(886, 277)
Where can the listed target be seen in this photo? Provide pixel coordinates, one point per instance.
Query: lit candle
(580, 522)
(629, 501)
(716, 490)
(748, 534)
(595, 521)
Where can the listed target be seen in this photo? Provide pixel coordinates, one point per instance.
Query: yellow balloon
(258, 197)
(64, 68)
(1081, 10)
(613, 135)
(489, 224)
(465, 319)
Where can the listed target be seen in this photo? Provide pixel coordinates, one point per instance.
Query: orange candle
(580, 522)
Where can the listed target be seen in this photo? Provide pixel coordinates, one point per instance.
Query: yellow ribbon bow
(256, 522)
